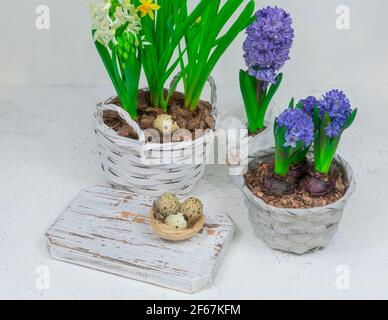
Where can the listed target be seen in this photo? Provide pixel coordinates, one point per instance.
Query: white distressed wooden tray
(108, 229)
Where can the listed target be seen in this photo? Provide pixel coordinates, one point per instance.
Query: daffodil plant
(205, 44)
(130, 34)
(163, 29)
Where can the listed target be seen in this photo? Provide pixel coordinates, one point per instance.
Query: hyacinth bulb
(273, 184)
(317, 184)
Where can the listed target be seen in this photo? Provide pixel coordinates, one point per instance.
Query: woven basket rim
(308, 211)
(208, 133)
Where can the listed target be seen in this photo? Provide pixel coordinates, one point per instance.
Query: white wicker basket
(297, 231)
(150, 168)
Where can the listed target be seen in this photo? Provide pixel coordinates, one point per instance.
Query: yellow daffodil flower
(148, 7)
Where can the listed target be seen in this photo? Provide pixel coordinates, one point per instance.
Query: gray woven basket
(151, 168)
(296, 231)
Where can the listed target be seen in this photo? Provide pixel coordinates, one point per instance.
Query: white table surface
(48, 154)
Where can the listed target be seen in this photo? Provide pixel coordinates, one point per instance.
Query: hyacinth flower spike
(332, 115)
(115, 29)
(307, 105)
(266, 49)
(294, 134)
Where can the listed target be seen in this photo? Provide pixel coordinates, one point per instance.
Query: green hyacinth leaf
(299, 106)
(291, 104)
(327, 146)
(274, 88)
(299, 153)
(316, 119)
(322, 143)
(329, 154)
(282, 163)
(275, 127)
(132, 76)
(248, 86)
(350, 120)
(264, 104)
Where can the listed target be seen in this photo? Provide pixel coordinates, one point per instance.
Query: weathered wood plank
(108, 229)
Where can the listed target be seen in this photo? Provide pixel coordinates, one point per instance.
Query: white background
(322, 55)
(49, 84)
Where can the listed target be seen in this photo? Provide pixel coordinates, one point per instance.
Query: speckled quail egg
(192, 208)
(176, 221)
(165, 124)
(167, 204)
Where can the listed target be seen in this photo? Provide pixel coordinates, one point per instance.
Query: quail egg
(176, 221)
(192, 208)
(167, 204)
(165, 124)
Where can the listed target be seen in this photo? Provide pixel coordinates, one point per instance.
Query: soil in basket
(195, 122)
(298, 199)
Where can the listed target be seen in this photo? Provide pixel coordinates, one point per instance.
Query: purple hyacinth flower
(308, 105)
(268, 43)
(337, 105)
(299, 127)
